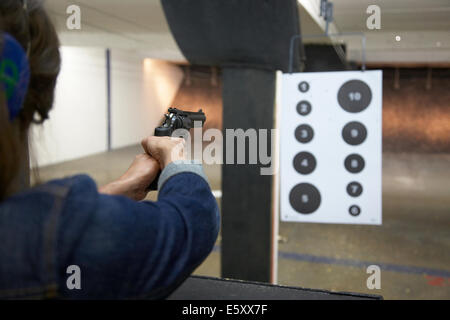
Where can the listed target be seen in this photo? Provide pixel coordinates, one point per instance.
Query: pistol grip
(154, 184)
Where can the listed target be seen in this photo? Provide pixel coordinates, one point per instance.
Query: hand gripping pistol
(177, 119)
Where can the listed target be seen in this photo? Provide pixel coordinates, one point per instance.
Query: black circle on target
(354, 96)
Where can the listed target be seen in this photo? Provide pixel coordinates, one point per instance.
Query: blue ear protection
(14, 74)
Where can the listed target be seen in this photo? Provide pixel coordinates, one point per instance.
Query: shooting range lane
(227, 52)
(332, 256)
(408, 247)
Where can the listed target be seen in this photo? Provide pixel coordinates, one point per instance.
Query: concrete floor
(412, 247)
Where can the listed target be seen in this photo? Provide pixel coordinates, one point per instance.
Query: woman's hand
(165, 149)
(134, 183)
(160, 151)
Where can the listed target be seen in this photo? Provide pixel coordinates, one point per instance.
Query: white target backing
(331, 147)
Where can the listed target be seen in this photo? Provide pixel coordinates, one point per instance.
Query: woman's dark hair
(32, 28)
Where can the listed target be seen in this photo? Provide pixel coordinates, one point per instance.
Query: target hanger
(326, 35)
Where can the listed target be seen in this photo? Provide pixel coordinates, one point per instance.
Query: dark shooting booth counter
(206, 288)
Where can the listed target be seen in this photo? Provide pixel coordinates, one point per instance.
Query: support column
(248, 103)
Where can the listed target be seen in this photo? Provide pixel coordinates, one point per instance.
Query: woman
(121, 248)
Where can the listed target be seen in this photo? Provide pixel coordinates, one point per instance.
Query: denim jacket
(123, 249)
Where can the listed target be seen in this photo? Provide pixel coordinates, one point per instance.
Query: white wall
(142, 90)
(77, 126)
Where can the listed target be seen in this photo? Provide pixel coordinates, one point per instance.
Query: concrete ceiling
(423, 26)
(397, 15)
(141, 25)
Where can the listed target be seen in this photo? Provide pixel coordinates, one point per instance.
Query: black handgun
(177, 119)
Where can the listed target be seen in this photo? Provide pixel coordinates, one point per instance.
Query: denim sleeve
(127, 249)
